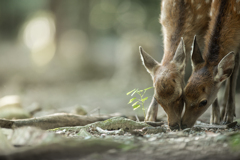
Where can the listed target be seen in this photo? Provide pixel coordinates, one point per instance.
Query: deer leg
(215, 117)
(152, 111)
(225, 99)
(230, 109)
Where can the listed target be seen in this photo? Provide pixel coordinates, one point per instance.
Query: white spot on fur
(207, 1)
(188, 25)
(190, 17)
(199, 17)
(174, 3)
(234, 8)
(192, 1)
(163, 4)
(210, 14)
(198, 6)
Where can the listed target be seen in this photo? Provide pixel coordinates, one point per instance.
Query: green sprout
(138, 102)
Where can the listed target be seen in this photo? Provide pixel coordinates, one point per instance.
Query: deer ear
(225, 67)
(149, 62)
(196, 54)
(180, 57)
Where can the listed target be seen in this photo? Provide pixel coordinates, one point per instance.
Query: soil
(195, 143)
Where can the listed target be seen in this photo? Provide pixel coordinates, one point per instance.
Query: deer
(219, 63)
(180, 22)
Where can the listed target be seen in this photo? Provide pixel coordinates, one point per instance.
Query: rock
(84, 133)
(5, 145)
(80, 111)
(11, 100)
(13, 113)
(11, 108)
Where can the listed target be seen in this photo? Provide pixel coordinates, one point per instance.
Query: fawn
(179, 18)
(219, 62)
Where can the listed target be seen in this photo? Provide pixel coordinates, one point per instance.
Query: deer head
(168, 83)
(204, 83)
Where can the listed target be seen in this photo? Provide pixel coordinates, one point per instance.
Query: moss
(109, 124)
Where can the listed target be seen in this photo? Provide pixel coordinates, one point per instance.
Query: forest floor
(89, 144)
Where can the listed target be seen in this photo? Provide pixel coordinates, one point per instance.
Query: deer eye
(202, 103)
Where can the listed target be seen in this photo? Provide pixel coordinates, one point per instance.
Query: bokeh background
(62, 54)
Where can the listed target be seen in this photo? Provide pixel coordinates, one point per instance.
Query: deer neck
(223, 34)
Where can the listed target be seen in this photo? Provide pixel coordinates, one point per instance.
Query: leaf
(148, 88)
(131, 91)
(144, 99)
(136, 107)
(140, 91)
(134, 92)
(134, 103)
(131, 100)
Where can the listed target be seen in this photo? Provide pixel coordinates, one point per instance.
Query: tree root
(210, 126)
(52, 121)
(114, 123)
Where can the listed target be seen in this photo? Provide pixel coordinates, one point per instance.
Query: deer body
(178, 19)
(219, 62)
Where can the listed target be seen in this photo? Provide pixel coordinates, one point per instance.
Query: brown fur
(198, 84)
(165, 87)
(181, 20)
(223, 36)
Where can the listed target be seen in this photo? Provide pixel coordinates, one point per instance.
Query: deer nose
(184, 126)
(176, 126)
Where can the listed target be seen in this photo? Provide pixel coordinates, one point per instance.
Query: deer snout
(174, 126)
(185, 125)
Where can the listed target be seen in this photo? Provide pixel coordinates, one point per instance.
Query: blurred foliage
(235, 141)
(13, 14)
(95, 38)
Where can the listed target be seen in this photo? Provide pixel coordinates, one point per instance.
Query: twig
(94, 110)
(137, 119)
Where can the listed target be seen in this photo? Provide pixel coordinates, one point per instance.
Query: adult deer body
(219, 62)
(179, 18)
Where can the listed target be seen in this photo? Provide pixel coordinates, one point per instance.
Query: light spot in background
(124, 6)
(109, 6)
(44, 55)
(102, 16)
(135, 16)
(73, 43)
(38, 35)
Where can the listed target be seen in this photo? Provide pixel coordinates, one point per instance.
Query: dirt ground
(195, 143)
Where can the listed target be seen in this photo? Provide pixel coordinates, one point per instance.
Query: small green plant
(138, 102)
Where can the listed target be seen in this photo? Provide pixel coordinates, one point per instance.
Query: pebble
(103, 136)
(112, 151)
(152, 139)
